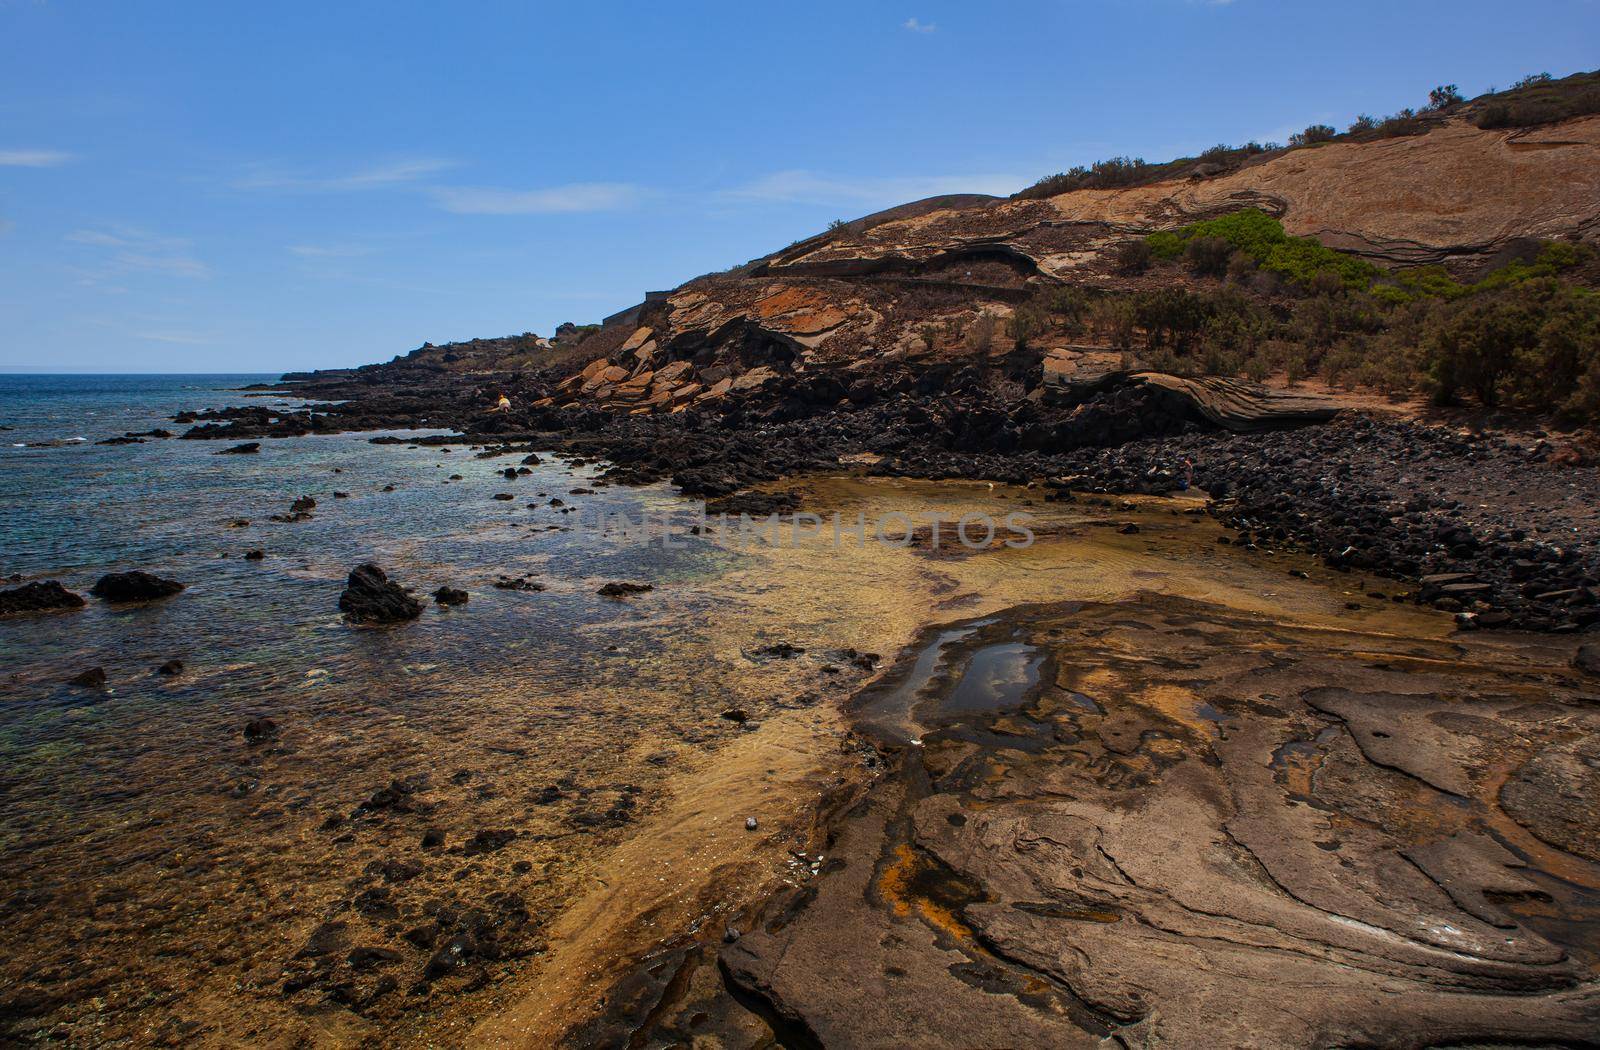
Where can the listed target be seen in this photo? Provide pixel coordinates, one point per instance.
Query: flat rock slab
(1198, 827)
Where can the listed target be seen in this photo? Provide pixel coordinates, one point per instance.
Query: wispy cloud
(32, 158)
(175, 336)
(126, 249)
(329, 251)
(571, 198)
(799, 186)
(388, 175)
(918, 26)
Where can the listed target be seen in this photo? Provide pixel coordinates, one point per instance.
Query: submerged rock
(450, 596)
(242, 450)
(260, 730)
(93, 678)
(370, 597)
(47, 596)
(135, 586)
(619, 589)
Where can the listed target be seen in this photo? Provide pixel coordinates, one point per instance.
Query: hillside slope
(917, 284)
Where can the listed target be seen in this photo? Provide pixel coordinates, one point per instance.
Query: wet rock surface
(371, 598)
(1182, 806)
(45, 596)
(135, 586)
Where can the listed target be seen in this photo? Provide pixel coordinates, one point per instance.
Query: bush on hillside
(1133, 257)
(1208, 256)
(1312, 135)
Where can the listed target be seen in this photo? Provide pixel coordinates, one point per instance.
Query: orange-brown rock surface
(936, 279)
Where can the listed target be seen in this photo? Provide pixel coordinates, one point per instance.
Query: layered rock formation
(868, 292)
(1163, 823)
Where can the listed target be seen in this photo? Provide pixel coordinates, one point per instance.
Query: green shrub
(1312, 135)
(1164, 245)
(1171, 317)
(1208, 256)
(1133, 257)
(1443, 97)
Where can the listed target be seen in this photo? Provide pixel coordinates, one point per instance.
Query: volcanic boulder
(135, 586)
(370, 597)
(47, 596)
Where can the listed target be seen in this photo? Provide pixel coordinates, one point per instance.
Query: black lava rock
(135, 586)
(618, 589)
(450, 596)
(371, 597)
(93, 678)
(38, 597)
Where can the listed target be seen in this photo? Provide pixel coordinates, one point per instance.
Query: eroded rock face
(1200, 828)
(372, 598)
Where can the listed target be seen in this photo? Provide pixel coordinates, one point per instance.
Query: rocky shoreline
(1495, 530)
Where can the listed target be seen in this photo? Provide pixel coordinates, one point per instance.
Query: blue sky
(223, 186)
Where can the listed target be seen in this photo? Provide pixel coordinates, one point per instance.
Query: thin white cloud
(572, 198)
(799, 186)
(918, 27)
(32, 158)
(392, 174)
(126, 250)
(329, 251)
(180, 337)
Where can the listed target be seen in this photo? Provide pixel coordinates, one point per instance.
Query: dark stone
(260, 730)
(47, 596)
(736, 714)
(489, 840)
(93, 678)
(242, 450)
(370, 597)
(171, 668)
(450, 596)
(433, 838)
(451, 957)
(779, 651)
(254, 555)
(618, 589)
(135, 586)
(1587, 658)
(365, 957)
(518, 583)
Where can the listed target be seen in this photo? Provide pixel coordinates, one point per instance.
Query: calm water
(157, 870)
